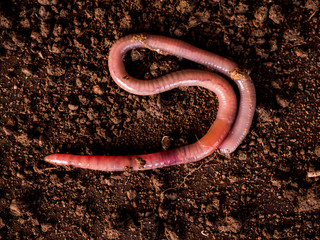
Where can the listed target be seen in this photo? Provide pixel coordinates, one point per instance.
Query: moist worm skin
(226, 133)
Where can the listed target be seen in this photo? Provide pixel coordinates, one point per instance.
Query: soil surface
(56, 95)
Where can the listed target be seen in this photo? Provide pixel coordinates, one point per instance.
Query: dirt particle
(42, 12)
(241, 21)
(170, 234)
(14, 209)
(2, 224)
(273, 45)
(41, 140)
(5, 22)
(301, 53)
(44, 29)
(7, 131)
(131, 194)
(47, 2)
(275, 14)
(26, 71)
(309, 203)
(275, 85)
(294, 36)
(45, 227)
(23, 139)
(166, 142)
(99, 13)
(97, 90)
(55, 71)
(83, 100)
(9, 45)
(184, 7)
(282, 102)
(116, 120)
(312, 5)
(241, 8)
(57, 29)
(78, 83)
(141, 162)
(25, 23)
(73, 107)
(261, 14)
(317, 150)
(230, 225)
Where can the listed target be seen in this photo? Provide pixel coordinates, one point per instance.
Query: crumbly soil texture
(56, 95)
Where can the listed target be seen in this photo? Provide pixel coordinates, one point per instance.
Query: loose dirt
(56, 95)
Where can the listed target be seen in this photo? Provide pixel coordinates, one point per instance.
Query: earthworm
(227, 131)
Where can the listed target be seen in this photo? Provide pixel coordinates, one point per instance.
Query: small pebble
(166, 142)
(73, 107)
(97, 90)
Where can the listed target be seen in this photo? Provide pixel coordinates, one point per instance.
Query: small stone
(73, 107)
(26, 71)
(97, 90)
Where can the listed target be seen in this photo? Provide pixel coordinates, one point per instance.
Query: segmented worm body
(226, 133)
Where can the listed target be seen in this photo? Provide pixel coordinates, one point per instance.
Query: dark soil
(56, 95)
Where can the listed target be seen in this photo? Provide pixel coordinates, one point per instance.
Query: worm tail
(186, 154)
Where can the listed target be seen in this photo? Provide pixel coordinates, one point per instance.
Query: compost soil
(56, 95)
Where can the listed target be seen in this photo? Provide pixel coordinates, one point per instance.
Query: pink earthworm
(227, 131)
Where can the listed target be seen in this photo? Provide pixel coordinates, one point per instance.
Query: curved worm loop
(228, 130)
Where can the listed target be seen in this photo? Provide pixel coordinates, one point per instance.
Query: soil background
(56, 95)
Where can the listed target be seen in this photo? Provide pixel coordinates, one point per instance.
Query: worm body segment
(226, 133)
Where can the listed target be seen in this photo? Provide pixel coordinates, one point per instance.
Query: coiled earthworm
(226, 133)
